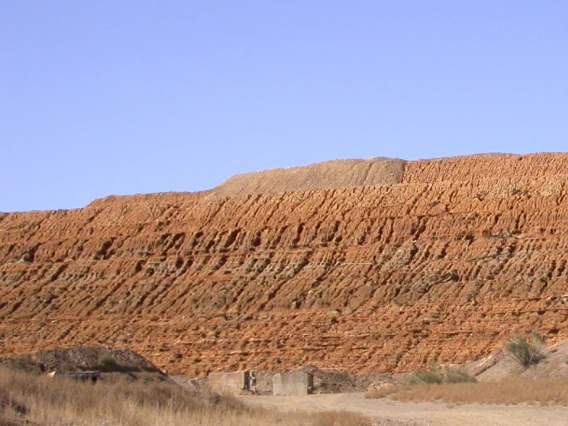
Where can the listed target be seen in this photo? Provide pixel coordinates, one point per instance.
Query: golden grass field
(547, 392)
(39, 400)
(504, 391)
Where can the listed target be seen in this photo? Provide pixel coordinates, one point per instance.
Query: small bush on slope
(526, 350)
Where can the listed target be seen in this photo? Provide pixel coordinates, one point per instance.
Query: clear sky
(123, 97)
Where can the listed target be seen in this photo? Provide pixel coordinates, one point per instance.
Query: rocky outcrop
(442, 265)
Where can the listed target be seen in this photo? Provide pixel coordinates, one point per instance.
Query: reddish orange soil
(442, 265)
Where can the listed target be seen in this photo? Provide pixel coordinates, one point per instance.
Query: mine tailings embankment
(433, 261)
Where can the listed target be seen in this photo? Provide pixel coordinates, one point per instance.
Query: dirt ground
(390, 413)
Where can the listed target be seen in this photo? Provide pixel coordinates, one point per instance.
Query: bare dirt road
(388, 412)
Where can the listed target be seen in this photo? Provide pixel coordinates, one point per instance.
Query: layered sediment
(396, 267)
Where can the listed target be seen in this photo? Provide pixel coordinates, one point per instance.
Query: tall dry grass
(509, 392)
(44, 401)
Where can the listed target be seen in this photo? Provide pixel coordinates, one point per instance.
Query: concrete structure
(292, 384)
(232, 383)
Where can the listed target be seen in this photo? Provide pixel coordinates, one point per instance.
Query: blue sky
(124, 97)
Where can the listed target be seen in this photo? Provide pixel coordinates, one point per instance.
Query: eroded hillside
(443, 266)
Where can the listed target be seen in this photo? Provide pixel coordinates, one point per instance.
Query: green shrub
(430, 377)
(526, 350)
(436, 375)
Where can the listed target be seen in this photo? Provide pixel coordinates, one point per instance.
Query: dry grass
(26, 398)
(510, 392)
(382, 392)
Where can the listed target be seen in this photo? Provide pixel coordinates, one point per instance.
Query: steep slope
(443, 266)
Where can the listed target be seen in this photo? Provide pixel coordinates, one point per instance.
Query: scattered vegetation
(382, 392)
(105, 359)
(67, 367)
(27, 398)
(455, 387)
(436, 375)
(509, 392)
(527, 350)
(24, 364)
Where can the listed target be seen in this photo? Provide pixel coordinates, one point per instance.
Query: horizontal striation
(360, 279)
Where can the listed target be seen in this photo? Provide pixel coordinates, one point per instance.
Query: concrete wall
(228, 382)
(292, 384)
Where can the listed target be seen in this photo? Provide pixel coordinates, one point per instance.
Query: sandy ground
(388, 412)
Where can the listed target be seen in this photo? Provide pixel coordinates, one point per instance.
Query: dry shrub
(24, 363)
(457, 376)
(436, 375)
(382, 392)
(43, 400)
(510, 392)
(338, 418)
(67, 367)
(11, 409)
(106, 361)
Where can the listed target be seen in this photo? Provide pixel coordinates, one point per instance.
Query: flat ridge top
(392, 171)
(329, 174)
(475, 168)
(354, 173)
